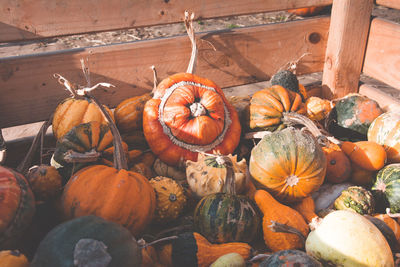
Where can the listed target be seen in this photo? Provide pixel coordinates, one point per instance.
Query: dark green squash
(387, 186)
(227, 217)
(356, 198)
(290, 257)
(352, 116)
(286, 79)
(88, 238)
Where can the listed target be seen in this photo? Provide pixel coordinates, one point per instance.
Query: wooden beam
(32, 19)
(387, 98)
(230, 57)
(382, 59)
(389, 3)
(348, 32)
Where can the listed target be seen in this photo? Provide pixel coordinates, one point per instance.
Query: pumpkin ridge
(65, 108)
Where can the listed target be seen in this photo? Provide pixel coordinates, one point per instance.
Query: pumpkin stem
(155, 79)
(74, 157)
(197, 109)
(143, 243)
(284, 228)
(190, 31)
(71, 87)
(229, 186)
(260, 257)
(120, 160)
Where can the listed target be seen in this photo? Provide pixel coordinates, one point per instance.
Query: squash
(170, 198)
(356, 198)
(289, 164)
(318, 108)
(88, 239)
(268, 106)
(366, 154)
(286, 79)
(231, 259)
(112, 193)
(392, 223)
(384, 130)
(192, 249)
(129, 113)
(352, 116)
(346, 238)
(361, 176)
(275, 211)
(45, 181)
(207, 175)
(226, 217)
(17, 206)
(387, 184)
(338, 167)
(290, 257)
(386, 231)
(149, 256)
(189, 114)
(13, 258)
(306, 207)
(143, 169)
(306, 11)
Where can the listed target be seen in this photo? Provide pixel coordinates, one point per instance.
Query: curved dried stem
(284, 228)
(143, 243)
(67, 84)
(155, 79)
(190, 31)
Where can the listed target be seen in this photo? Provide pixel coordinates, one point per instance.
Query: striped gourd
(227, 217)
(388, 184)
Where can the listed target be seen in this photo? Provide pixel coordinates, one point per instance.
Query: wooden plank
(382, 59)
(389, 3)
(346, 46)
(32, 19)
(230, 57)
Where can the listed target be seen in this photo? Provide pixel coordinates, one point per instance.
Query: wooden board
(387, 98)
(389, 3)
(230, 57)
(382, 58)
(348, 33)
(31, 19)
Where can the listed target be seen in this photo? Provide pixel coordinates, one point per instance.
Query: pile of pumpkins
(183, 176)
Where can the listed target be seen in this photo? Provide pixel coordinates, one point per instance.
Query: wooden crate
(341, 46)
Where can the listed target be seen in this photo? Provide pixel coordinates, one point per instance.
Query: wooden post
(348, 31)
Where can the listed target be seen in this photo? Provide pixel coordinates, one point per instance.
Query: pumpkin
(45, 181)
(277, 212)
(17, 206)
(192, 249)
(306, 11)
(143, 169)
(129, 113)
(268, 106)
(188, 114)
(352, 116)
(366, 154)
(88, 239)
(207, 175)
(387, 184)
(13, 258)
(356, 198)
(290, 257)
(306, 207)
(346, 238)
(112, 193)
(75, 110)
(289, 164)
(317, 108)
(338, 167)
(226, 217)
(385, 130)
(170, 198)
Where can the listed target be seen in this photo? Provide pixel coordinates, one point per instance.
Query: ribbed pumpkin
(290, 257)
(356, 198)
(88, 241)
(112, 193)
(189, 114)
(275, 211)
(13, 258)
(207, 175)
(268, 106)
(387, 184)
(226, 217)
(170, 197)
(17, 206)
(385, 130)
(129, 113)
(289, 164)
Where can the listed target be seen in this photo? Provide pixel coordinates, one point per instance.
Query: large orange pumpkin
(289, 164)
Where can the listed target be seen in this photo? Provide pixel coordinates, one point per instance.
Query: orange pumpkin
(268, 106)
(366, 154)
(338, 164)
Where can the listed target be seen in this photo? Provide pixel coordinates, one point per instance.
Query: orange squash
(306, 207)
(392, 223)
(338, 167)
(361, 176)
(366, 154)
(275, 211)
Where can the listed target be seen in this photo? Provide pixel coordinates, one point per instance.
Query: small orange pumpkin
(338, 164)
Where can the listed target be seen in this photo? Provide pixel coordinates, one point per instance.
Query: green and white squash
(387, 186)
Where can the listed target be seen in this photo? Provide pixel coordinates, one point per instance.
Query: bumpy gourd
(170, 196)
(207, 175)
(356, 198)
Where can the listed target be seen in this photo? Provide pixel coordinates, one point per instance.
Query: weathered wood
(387, 98)
(389, 3)
(348, 32)
(382, 58)
(241, 56)
(31, 19)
